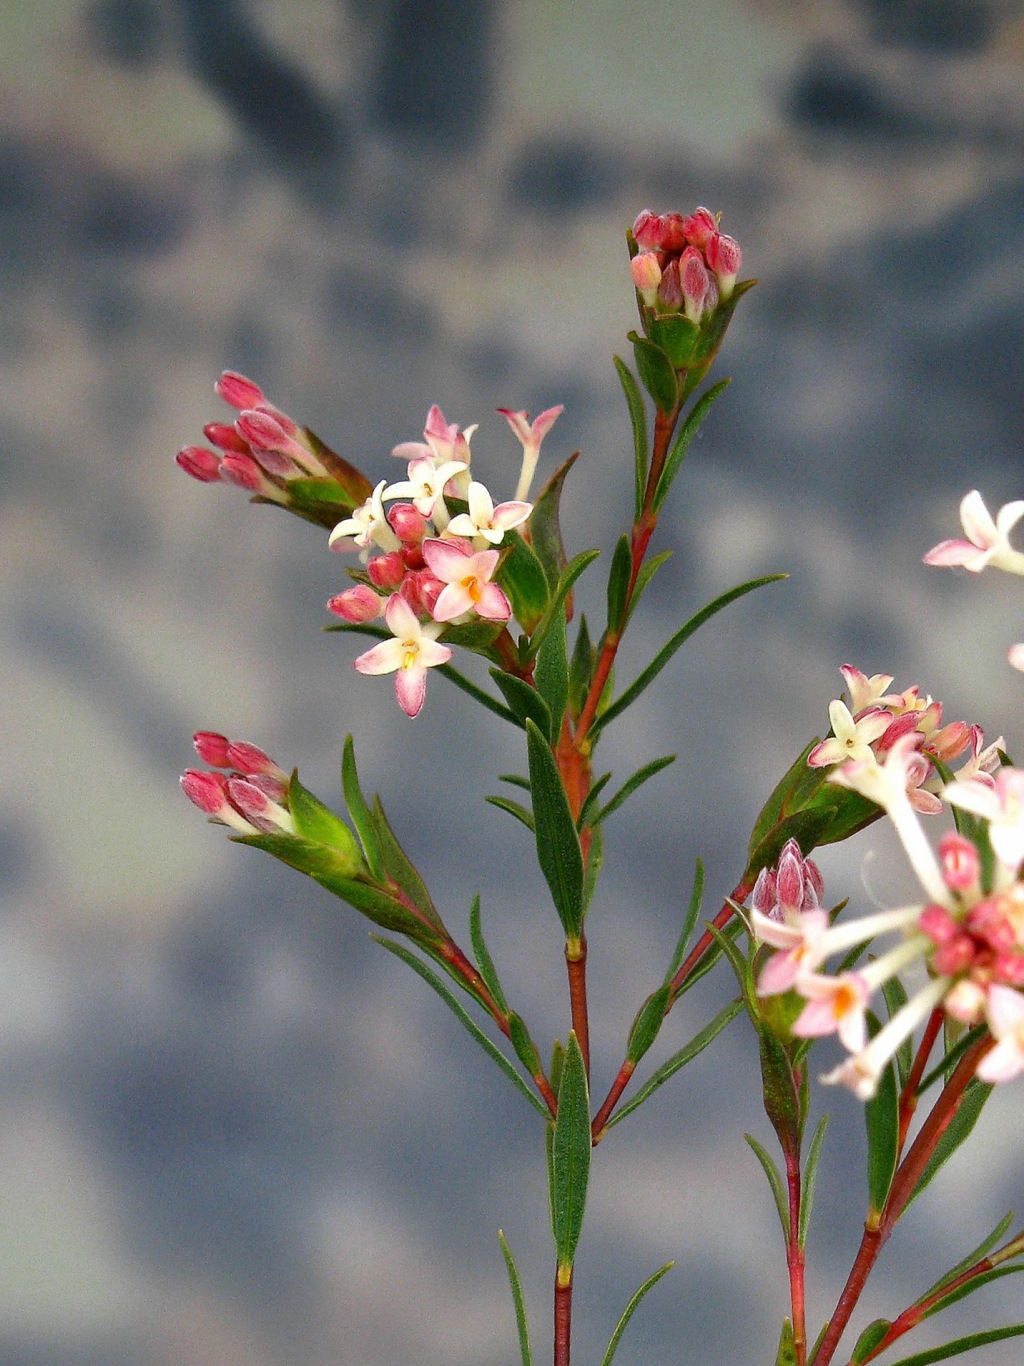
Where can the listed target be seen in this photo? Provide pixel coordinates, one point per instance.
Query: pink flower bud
(407, 522)
(240, 392)
(646, 273)
(387, 571)
(254, 804)
(247, 474)
(356, 604)
(693, 279)
(988, 921)
(699, 226)
(248, 759)
(647, 230)
(205, 790)
(200, 463)
(960, 863)
(670, 291)
(212, 748)
(421, 590)
(223, 436)
(723, 254)
(264, 432)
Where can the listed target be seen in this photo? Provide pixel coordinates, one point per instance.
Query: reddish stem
(907, 1176)
(576, 965)
(909, 1096)
(597, 1129)
(563, 1315)
(795, 1258)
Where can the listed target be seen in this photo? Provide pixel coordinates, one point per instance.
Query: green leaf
(781, 1091)
(544, 531)
(357, 488)
(618, 584)
(960, 1345)
(581, 669)
(975, 1255)
(525, 1048)
(316, 822)
(589, 809)
(809, 828)
(524, 700)
(951, 1057)
(976, 1093)
(321, 501)
(895, 998)
(709, 959)
(689, 922)
(516, 1286)
(668, 1069)
(570, 1155)
(595, 862)
(975, 1283)
(552, 674)
(647, 572)
(399, 869)
(663, 656)
(647, 1023)
(786, 1355)
(684, 436)
(677, 336)
(631, 785)
(638, 422)
(564, 587)
(882, 1121)
(774, 1181)
(558, 845)
(810, 1177)
(359, 812)
(522, 576)
(869, 1340)
(631, 1309)
(481, 953)
(657, 373)
(515, 780)
(514, 809)
(477, 694)
(464, 1018)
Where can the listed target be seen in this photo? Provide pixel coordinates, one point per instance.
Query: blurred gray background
(232, 1130)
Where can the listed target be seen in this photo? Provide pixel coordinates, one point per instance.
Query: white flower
(987, 542)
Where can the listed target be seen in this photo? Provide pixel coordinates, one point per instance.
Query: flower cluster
(251, 796)
(987, 543)
(431, 568)
(876, 719)
(261, 452)
(969, 932)
(684, 264)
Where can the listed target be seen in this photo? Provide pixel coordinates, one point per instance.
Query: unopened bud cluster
(683, 264)
(250, 795)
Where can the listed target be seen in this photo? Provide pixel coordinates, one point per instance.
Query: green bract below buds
(685, 273)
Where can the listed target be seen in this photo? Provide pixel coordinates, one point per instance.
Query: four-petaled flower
(467, 578)
(987, 540)
(484, 520)
(413, 650)
(1001, 803)
(850, 739)
(368, 526)
(425, 483)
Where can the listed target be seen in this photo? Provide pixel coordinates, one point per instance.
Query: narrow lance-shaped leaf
(669, 1068)
(317, 822)
(522, 576)
(551, 674)
(358, 811)
(558, 845)
(976, 1093)
(647, 572)
(975, 1255)
(810, 1178)
(774, 1181)
(869, 1340)
(618, 583)
(570, 1155)
(543, 530)
(515, 809)
(631, 784)
(573, 570)
(581, 669)
(881, 1118)
(638, 422)
(690, 921)
(482, 954)
(685, 435)
(516, 1286)
(663, 656)
(464, 1018)
(524, 700)
(657, 373)
(631, 1309)
(786, 1355)
(961, 1345)
(647, 1024)
(400, 869)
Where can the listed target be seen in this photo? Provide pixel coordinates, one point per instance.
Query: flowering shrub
(438, 568)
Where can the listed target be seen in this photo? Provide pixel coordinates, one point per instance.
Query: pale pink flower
(425, 485)
(530, 434)
(442, 441)
(800, 941)
(1004, 1010)
(1002, 805)
(850, 738)
(987, 540)
(466, 575)
(865, 692)
(486, 522)
(862, 1071)
(835, 1005)
(368, 526)
(413, 650)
